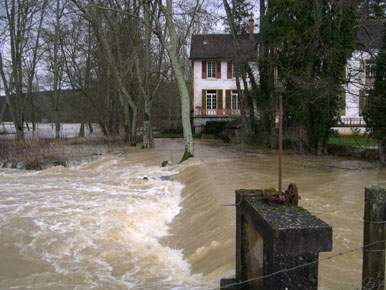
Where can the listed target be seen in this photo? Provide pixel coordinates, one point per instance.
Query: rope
(374, 222)
(303, 265)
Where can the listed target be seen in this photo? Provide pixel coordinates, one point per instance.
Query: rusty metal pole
(279, 122)
(280, 153)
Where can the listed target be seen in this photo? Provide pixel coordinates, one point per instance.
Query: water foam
(95, 226)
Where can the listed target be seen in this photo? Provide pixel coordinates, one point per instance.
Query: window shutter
(229, 70)
(203, 105)
(218, 73)
(204, 69)
(228, 102)
(219, 102)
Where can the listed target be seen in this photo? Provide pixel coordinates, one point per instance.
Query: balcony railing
(352, 122)
(217, 112)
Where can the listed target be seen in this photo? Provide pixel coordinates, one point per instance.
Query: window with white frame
(211, 69)
(211, 100)
(235, 100)
(233, 71)
(369, 71)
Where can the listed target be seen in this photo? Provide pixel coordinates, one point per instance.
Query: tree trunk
(185, 109)
(57, 130)
(245, 130)
(104, 129)
(133, 129)
(127, 136)
(148, 141)
(381, 152)
(127, 123)
(81, 131)
(249, 99)
(90, 128)
(179, 75)
(19, 126)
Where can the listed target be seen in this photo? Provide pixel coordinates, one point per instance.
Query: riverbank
(42, 153)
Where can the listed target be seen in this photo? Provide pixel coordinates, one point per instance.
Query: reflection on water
(100, 225)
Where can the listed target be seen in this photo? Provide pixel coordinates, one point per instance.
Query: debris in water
(164, 163)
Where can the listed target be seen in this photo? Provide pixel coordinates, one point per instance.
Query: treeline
(114, 53)
(117, 53)
(309, 42)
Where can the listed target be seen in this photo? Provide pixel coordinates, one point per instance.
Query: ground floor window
(211, 100)
(235, 100)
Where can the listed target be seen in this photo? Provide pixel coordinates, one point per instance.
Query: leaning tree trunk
(185, 108)
(171, 47)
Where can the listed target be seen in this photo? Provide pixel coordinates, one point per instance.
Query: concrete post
(373, 274)
(272, 238)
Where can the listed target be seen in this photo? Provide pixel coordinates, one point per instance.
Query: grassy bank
(357, 141)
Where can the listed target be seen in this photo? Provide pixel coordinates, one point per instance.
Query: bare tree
(55, 60)
(148, 71)
(171, 43)
(23, 35)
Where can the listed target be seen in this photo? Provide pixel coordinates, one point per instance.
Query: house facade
(214, 85)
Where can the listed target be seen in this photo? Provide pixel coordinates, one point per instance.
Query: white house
(214, 86)
(360, 73)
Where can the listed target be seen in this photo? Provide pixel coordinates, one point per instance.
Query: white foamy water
(96, 226)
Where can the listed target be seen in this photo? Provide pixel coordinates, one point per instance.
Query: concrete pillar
(373, 274)
(272, 238)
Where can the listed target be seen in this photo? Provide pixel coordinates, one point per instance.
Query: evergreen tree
(314, 40)
(375, 112)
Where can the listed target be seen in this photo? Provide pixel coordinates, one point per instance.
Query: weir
(277, 246)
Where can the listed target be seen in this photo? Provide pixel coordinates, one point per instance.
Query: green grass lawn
(352, 141)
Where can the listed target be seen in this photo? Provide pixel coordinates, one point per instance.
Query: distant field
(47, 130)
(353, 141)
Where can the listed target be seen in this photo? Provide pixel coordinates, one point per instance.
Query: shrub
(34, 154)
(215, 127)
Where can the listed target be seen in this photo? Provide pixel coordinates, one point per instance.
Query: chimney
(251, 28)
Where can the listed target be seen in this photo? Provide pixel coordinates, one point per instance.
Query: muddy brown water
(101, 225)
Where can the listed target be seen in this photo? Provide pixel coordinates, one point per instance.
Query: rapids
(101, 225)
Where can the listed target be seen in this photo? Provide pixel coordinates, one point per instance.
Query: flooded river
(102, 225)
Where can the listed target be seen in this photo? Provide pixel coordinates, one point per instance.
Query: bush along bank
(34, 154)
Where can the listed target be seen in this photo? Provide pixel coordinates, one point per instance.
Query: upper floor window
(233, 71)
(211, 69)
